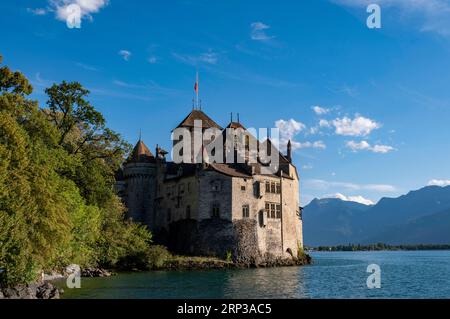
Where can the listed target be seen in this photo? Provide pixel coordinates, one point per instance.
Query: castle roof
(235, 125)
(198, 115)
(141, 153)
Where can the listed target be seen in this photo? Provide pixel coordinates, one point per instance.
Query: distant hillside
(332, 221)
(431, 229)
(421, 216)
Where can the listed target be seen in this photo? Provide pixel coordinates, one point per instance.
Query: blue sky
(368, 109)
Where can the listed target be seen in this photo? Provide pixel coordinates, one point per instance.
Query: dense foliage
(57, 204)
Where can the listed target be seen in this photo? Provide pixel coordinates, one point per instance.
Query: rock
(31, 291)
(47, 291)
(1, 295)
(95, 272)
(72, 269)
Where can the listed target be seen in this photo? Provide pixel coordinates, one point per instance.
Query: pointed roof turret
(141, 153)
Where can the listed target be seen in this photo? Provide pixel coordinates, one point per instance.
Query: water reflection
(266, 283)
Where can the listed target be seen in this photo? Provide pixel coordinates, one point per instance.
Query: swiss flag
(196, 87)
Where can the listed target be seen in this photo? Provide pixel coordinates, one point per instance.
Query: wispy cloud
(365, 146)
(152, 59)
(319, 184)
(125, 54)
(87, 67)
(209, 57)
(37, 11)
(258, 31)
(320, 110)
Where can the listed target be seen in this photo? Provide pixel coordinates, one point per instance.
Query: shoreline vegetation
(379, 247)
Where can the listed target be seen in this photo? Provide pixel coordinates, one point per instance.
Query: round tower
(139, 173)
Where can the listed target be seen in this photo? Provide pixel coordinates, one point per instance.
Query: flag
(196, 84)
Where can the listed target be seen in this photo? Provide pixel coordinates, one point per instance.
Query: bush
(157, 256)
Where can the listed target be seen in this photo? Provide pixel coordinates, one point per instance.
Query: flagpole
(197, 88)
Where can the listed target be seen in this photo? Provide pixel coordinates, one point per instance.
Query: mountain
(421, 216)
(432, 229)
(332, 221)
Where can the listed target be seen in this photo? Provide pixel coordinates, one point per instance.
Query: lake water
(413, 274)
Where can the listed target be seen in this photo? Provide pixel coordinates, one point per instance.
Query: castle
(210, 208)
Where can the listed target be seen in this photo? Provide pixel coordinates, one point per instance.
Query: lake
(404, 274)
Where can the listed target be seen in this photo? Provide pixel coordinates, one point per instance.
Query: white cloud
(439, 182)
(356, 199)
(288, 131)
(320, 110)
(64, 9)
(365, 146)
(258, 31)
(307, 167)
(359, 126)
(125, 54)
(319, 184)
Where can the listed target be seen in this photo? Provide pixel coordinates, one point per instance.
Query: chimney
(289, 151)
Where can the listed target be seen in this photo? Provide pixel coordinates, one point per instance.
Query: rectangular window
(268, 210)
(278, 188)
(272, 188)
(272, 210)
(216, 210)
(181, 189)
(245, 211)
(279, 211)
(243, 188)
(256, 190)
(267, 187)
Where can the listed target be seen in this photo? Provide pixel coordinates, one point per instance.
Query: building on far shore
(215, 209)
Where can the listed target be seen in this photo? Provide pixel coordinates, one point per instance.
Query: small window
(245, 211)
(267, 187)
(243, 188)
(181, 189)
(268, 210)
(215, 210)
(279, 211)
(272, 211)
(189, 187)
(278, 188)
(272, 188)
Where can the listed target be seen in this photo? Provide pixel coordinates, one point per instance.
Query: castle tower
(139, 173)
